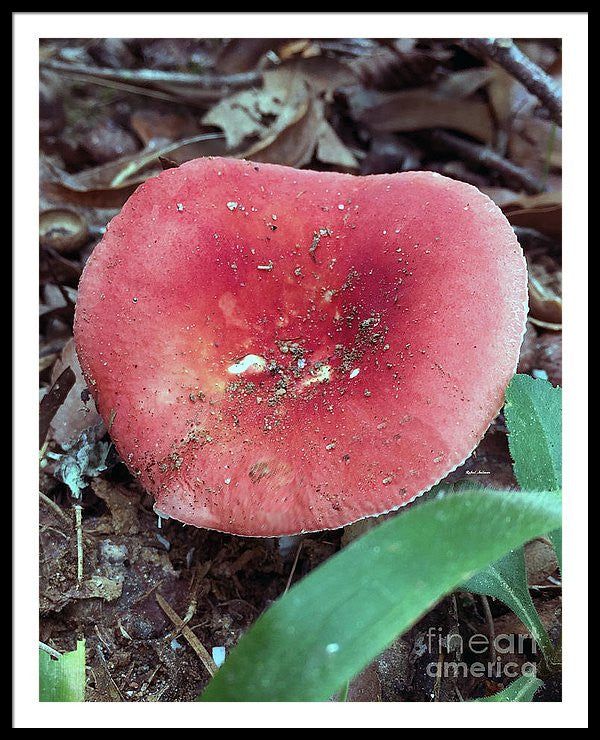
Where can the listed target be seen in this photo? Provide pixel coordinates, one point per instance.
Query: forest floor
(109, 109)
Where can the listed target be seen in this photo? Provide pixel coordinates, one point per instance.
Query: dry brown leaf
(296, 46)
(549, 613)
(262, 113)
(124, 509)
(549, 356)
(87, 188)
(508, 97)
(536, 144)
(461, 85)
(155, 127)
(542, 212)
(243, 54)
(75, 415)
(97, 587)
(295, 143)
(545, 302)
(540, 562)
(323, 74)
(422, 108)
(110, 185)
(332, 150)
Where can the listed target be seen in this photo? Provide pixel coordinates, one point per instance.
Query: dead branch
(157, 78)
(508, 55)
(194, 642)
(482, 155)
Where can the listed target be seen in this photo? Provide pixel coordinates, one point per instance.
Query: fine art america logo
(478, 644)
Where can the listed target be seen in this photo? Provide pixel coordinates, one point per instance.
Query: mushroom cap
(279, 351)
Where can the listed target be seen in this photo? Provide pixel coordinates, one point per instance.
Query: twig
(194, 642)
(490, 625)
(79, 534)
(508, 55)
(112, 683)
(199, 573)
(54, 506)
(484, 156)
(131, 168)
(437, 686)
(146, 92)
(51, 651)
(293, 570)
(213, 83)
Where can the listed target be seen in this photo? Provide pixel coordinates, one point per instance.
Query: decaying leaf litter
(152, 599)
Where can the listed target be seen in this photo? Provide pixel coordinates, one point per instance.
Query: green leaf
(522, 689)
(533, 416)
(341, 616)
(63, 679)
(506, 579)
(533, 413)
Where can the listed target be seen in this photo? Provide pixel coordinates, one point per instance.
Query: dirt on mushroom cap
(287, 351)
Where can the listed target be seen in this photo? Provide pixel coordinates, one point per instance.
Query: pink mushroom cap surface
(278, 351)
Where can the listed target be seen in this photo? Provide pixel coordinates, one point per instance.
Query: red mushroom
(279, 351)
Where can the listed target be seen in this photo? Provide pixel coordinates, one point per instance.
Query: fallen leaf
(74, 415)
(540, 562)
(243, 54)
(549, 356)
(542, 212)
(123, 508)
(155, 127)
(297, 46)
(97, 587)
(421, 108)
(110, 185)
(463, 84)
(331, 149)
(508, 97)
(323, 74)
(536, 144)
(53, 400)
(545, 302)
(263, 112)
(549, 613)
(294, 144)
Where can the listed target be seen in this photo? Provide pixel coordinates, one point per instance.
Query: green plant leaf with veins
(506, 579)
(533, 412)
(345, 612)
(533, 416)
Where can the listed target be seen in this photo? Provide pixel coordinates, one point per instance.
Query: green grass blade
(63, 679)
(523, 689)
(341, 616)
